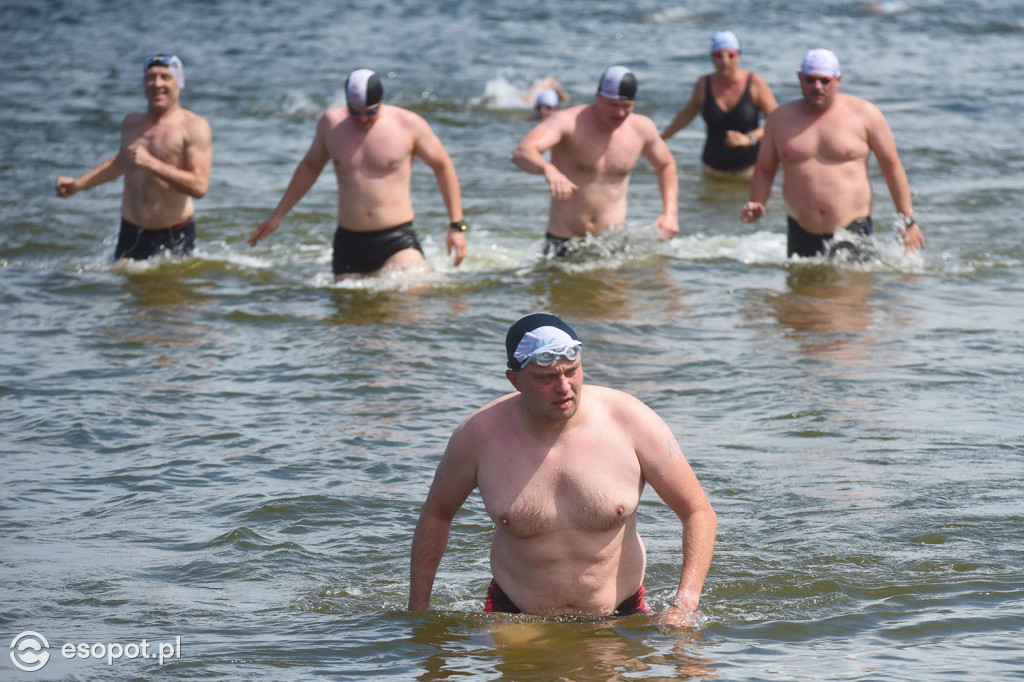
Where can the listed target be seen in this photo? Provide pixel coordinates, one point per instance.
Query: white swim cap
(547, 98)
(363, 88)
(725, 40)
(171, 61)
(820, 62)
(617, 82)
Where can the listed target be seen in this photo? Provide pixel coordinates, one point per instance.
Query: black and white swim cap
(536, 332)
(617, 82)
(363, 88)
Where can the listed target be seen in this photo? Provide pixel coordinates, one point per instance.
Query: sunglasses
(543, 107)
(824, 80)
(546, 358)
(722, 54)
(372, 111)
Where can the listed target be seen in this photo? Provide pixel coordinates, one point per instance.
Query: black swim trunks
(498, 602)
(366, 252)
(556, 247)
(138, 244)
(800, 242)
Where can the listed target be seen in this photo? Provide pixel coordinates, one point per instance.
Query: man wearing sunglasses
(824, 141)
(560, 467)
(372, 146)
(165, 158)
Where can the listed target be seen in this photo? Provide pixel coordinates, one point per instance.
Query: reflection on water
(526, 648)
(828, 312)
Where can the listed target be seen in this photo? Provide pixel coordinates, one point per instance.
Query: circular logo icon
(30, 651)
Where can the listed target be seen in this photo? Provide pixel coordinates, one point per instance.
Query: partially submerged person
(546, 96)
(547, 103)
(372, 146)
(823, 141)
(732, 102)
(594, 148)
(165, 157)
(561, 467)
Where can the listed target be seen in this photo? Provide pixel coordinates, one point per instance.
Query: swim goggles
(548, 356)
(162, 60)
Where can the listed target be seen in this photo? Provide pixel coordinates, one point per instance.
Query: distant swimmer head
(547, 98)
(820, 62)
(171, 61)
(363, 88)
(541, 338)
(725, 40)
(617, 82)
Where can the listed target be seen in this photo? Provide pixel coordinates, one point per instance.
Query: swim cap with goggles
(171, 61)
(617, 82)
(547, 98)
(540, 338)
(820, 62)
(363, 88)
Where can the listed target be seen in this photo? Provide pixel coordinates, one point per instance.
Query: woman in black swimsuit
(732, 102)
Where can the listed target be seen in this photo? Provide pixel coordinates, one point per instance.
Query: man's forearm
(699, 532)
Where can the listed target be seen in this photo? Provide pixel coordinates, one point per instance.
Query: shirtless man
(561, 467)
(165, 158)
(594, 148)
(823, 142)
(372, 146)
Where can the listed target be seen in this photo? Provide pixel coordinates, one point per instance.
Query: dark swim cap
(617, 82)
(535, 332)
(363, 88)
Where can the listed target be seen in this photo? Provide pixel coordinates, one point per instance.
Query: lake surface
(226, 454)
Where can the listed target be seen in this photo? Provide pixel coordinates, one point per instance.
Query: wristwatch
(909, 221)
(459, 225)
(753, 138)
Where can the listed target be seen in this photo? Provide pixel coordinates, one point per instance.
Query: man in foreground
(594, 148)
(165, 157)
(561, 467)
(823, 142)
(372, 146)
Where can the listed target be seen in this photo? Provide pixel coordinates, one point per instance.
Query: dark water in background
(232, 451)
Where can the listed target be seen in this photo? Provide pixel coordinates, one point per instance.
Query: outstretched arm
(305, 175)
(107, 170)
(689, 112)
